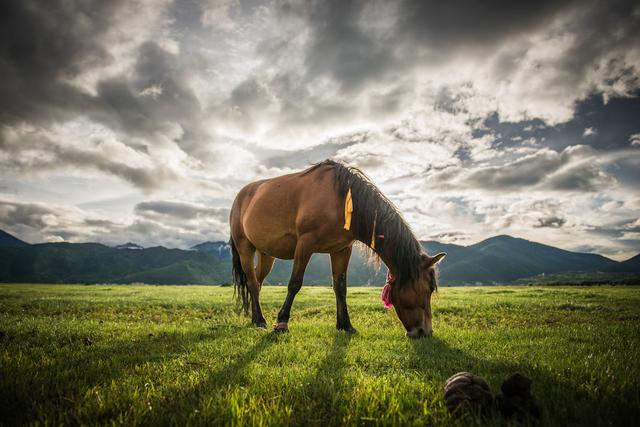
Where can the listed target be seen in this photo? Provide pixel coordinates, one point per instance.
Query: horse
(326, 208)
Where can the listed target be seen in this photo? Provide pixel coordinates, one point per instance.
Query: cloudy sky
(140, 120)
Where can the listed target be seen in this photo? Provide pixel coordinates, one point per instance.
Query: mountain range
(499, 259)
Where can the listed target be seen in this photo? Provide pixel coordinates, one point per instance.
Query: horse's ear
(431, 261)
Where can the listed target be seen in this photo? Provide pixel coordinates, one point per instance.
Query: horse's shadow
(322, 393)
(317, 397)
(321, 396)
(327, 388)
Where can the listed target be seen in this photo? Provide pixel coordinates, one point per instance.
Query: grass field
(180, 355)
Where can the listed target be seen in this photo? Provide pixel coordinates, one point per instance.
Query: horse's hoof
(261, 325)
(281, 327)
(348, 329)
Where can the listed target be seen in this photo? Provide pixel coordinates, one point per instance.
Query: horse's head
(412, 301)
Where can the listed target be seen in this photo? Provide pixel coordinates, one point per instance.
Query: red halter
(385, 296)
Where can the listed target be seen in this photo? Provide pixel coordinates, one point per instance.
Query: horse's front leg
(300, 260)
(339, 264)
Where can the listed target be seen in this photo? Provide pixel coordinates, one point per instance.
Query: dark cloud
(360, 45)
(103, 223)
(37, 153)
(524, 172)
(616, 229)
(41, 45)
(37, 222)
(179, 210)
(623, 234)
(449, 100)
(600, 27)
(574, 169)
(443, 28)
(249, 94)
(142, 104)
(25, 214)
(391, 100)
(551, 222)
(352, 42)
(580, 177)
(345, 44)
(340, 48)
(158, 222)
(492, 96)
(44, 45)
(614, 121)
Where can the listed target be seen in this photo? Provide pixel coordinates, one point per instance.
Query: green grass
(180, 355)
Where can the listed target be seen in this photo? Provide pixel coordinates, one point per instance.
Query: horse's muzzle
(419, 333)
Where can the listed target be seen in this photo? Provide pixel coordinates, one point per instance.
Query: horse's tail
(240, 289)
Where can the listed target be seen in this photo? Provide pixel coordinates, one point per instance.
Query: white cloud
(217, 13)
(178, 105)
(153, 91)
(134, 23)
(81, 147)
(167, 223)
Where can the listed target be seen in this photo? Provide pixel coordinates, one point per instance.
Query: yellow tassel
(348, 209)
(373, 233)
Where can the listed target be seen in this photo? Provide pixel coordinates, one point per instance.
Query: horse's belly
(283, 248)
(279, 245)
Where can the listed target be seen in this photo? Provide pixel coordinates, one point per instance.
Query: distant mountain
(130, 246)
(7, 240)
(219, 249)
(632, 265)
(503, 259)
(500, 259)
(96, 263)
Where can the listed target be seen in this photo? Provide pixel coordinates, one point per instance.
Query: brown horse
(294, 216)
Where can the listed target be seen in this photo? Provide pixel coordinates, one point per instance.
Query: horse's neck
(387, 255)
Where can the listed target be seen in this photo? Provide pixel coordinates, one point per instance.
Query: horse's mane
(370, 204)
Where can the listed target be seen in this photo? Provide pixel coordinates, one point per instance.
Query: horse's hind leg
(265, 263)
(339, 264)
(246, 258)
(300, 261)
